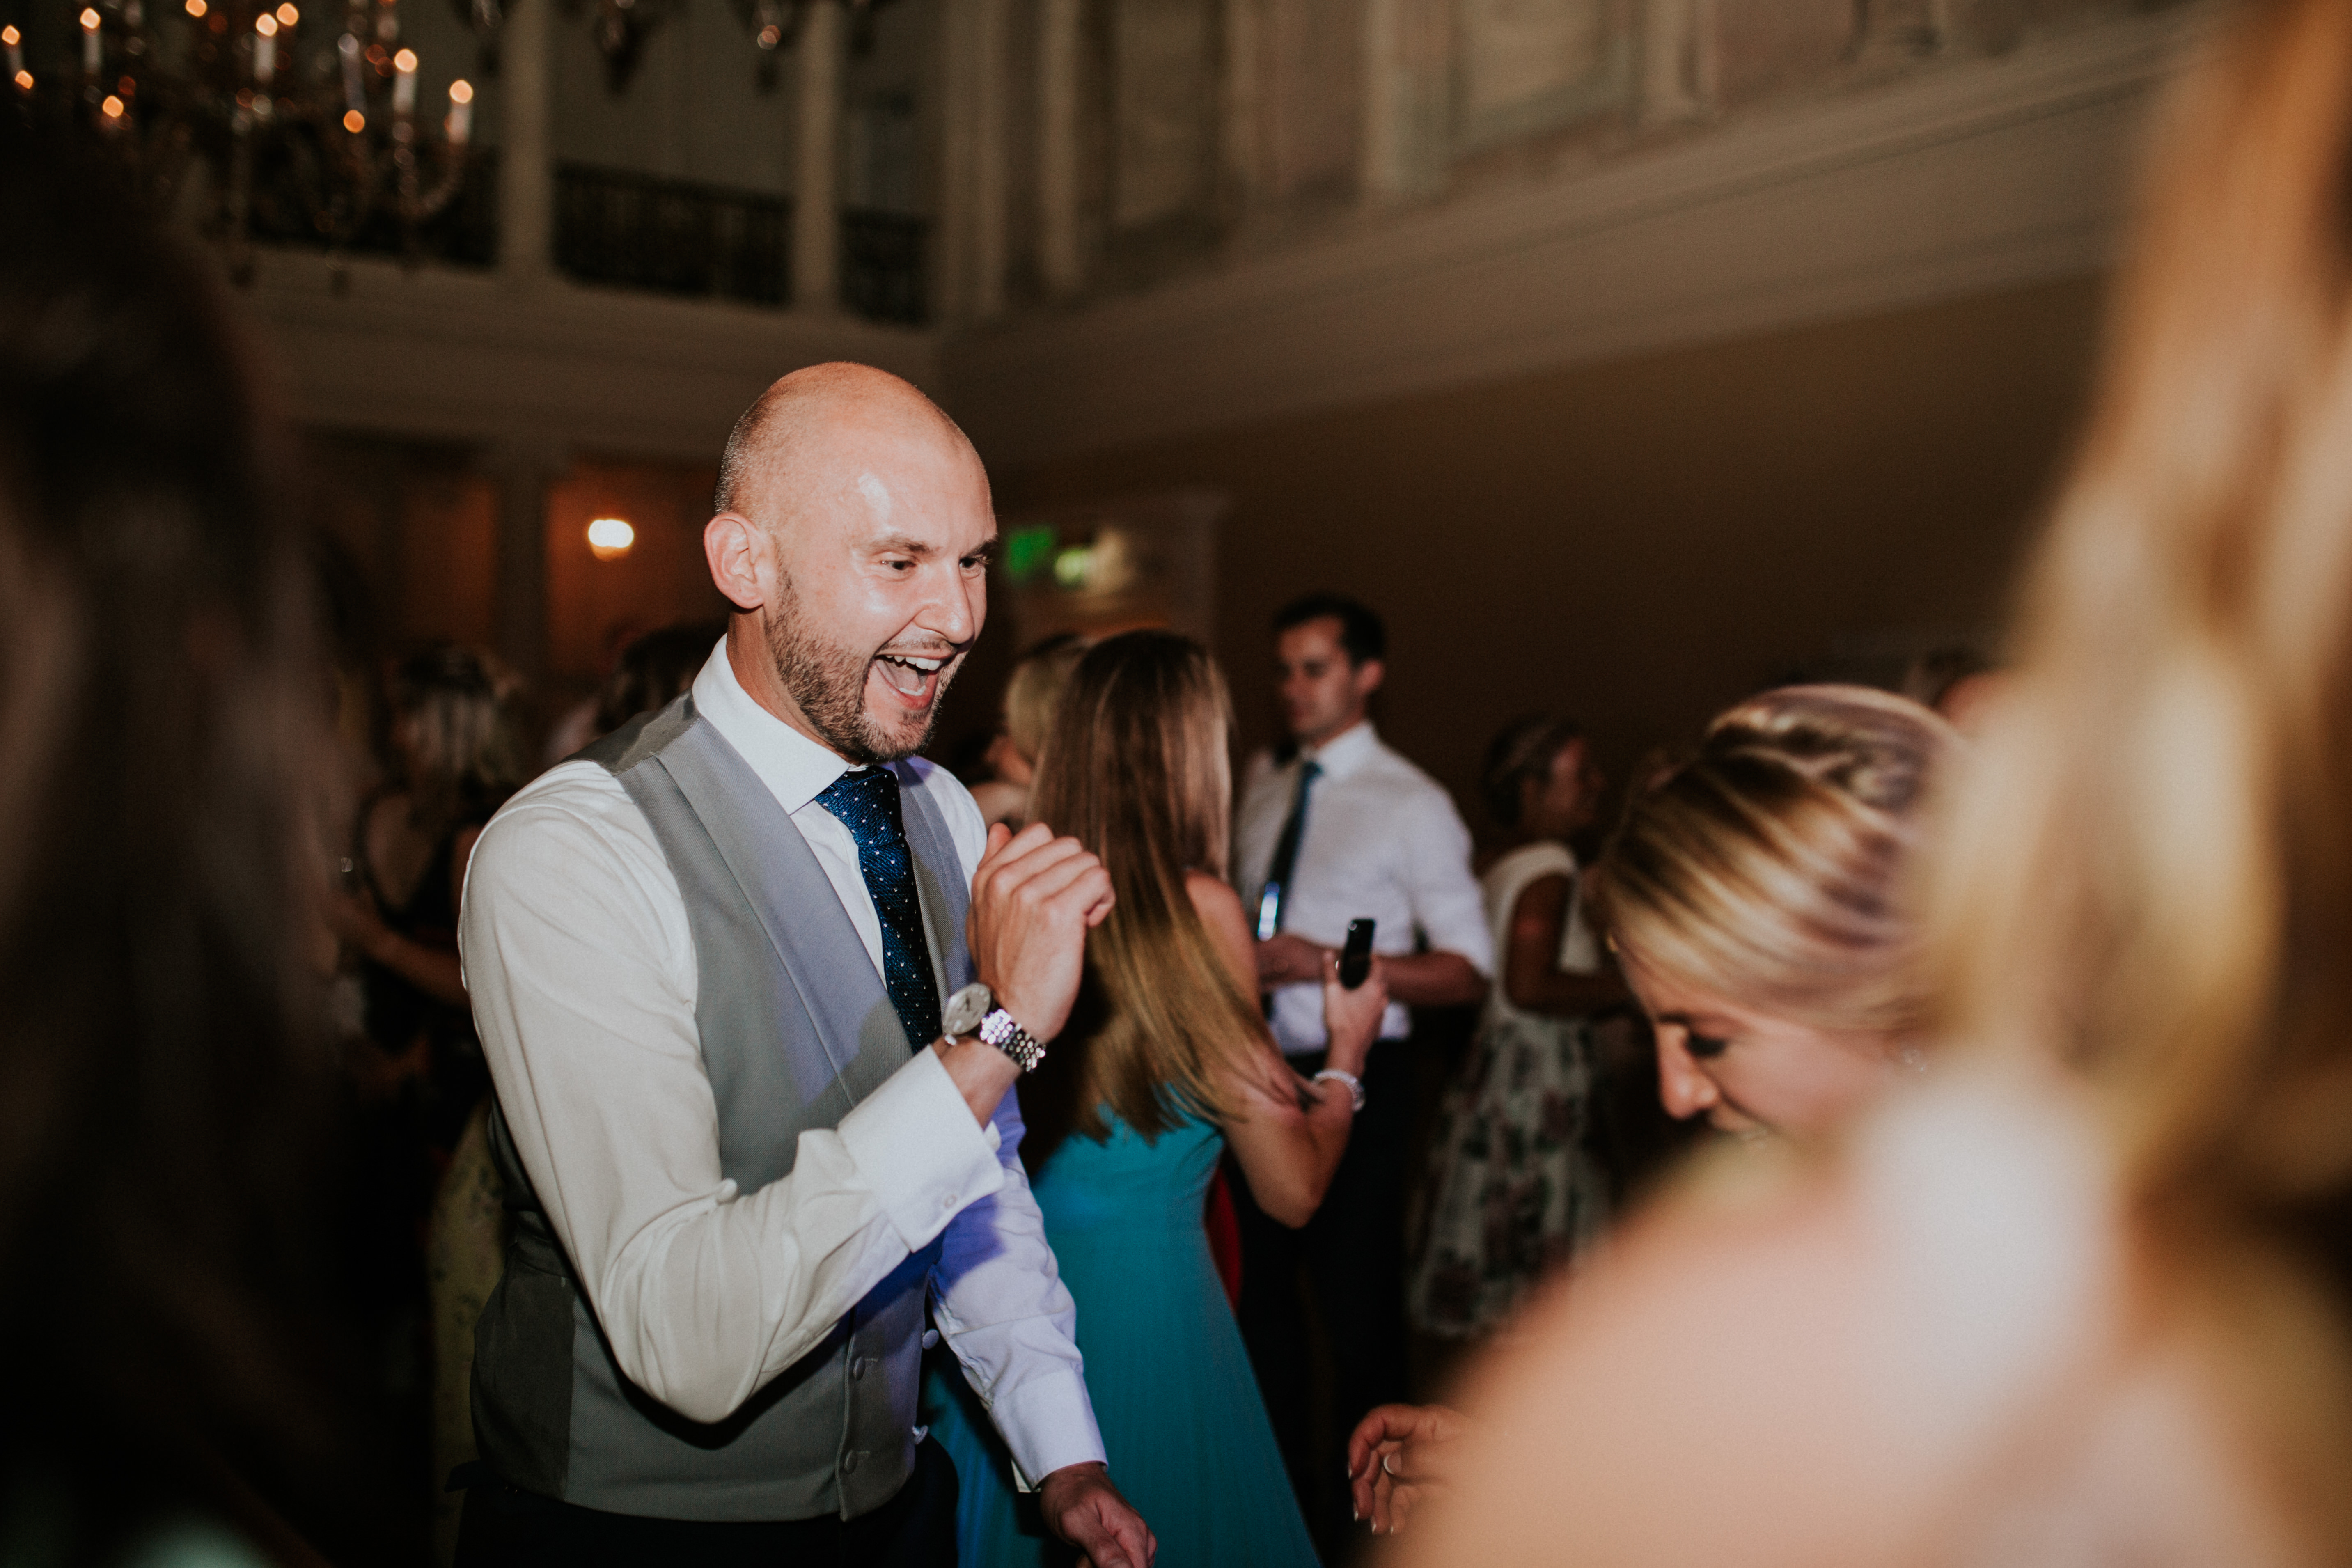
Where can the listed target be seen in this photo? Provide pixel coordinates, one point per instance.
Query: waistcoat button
(849, 1461)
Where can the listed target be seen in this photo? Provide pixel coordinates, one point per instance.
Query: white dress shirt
(1383, 842)
(582, 969)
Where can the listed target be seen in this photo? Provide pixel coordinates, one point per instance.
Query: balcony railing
(285, 212)
(637, 231)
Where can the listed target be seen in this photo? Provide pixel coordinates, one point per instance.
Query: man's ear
(1369, 676)
(740, 551)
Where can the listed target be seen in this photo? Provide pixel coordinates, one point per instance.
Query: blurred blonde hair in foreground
(2152, 873)
(2142, 902)
(2151, 876)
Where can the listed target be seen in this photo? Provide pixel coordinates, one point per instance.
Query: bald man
(753, 983)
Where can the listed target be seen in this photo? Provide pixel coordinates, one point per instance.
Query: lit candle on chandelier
(354, 91)
(90, 44)
(460, 123)
(404, 82)
(15, 42)
(265, 48)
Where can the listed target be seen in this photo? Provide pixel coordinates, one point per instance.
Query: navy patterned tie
(867, 803)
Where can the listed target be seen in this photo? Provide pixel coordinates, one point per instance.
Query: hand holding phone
(1356, 956)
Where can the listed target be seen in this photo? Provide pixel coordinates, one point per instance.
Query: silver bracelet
(1355, 1085)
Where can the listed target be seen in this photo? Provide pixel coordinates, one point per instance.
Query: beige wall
(1638, 542)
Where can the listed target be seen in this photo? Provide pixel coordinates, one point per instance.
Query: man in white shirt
(744, 1152)
(1346, 829)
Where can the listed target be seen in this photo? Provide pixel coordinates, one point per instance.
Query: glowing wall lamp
(609, 538)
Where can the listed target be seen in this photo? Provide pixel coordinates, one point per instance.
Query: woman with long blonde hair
(2078, 1299)
(1166, 1062)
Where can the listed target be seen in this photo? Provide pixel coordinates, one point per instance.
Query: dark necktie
(1285, 855)
(867, 805)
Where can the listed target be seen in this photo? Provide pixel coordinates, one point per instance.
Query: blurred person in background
(1165, 1063)
(579, 723)
(166, 1097)
(653, 670)
(1514, 1187)
(456, 758)
(1030, 699)
(1346, 829)
(2081, 1297)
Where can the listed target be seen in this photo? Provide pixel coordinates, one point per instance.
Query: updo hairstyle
(1522, 752)
(1770, 867)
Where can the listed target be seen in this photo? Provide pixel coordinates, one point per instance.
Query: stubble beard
(828, 682)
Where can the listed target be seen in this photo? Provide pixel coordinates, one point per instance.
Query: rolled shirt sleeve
(1447, 904)
(581, 967)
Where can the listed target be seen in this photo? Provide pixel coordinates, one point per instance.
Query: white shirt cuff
(1048, 1423)
(915, 1142)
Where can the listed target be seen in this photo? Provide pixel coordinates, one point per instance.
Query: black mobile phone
(1356, 957)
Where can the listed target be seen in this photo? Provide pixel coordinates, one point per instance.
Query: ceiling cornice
(1952, 181)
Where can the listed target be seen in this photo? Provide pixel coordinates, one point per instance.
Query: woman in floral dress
(1514, 1190)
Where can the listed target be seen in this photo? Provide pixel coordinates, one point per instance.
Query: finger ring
(1386, 1468)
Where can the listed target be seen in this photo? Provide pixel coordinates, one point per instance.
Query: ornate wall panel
(1986, 176)
(1761, 45)
(1312, 86)
(1164, 106)
(1523, 66)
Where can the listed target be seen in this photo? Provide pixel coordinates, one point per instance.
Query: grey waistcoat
(796, 1030)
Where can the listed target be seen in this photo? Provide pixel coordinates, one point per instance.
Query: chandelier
(302, 119)
(248, 114)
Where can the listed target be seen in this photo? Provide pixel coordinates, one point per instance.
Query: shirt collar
(1346, 752)
(795, 768)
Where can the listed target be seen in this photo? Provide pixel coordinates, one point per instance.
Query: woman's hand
(1352, 1018)
(358, 924)
(1397, 1453)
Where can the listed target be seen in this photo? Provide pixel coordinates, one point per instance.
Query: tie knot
(1310, 770)
(867, 802)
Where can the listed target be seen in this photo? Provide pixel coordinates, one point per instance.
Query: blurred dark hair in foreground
(164, 1100)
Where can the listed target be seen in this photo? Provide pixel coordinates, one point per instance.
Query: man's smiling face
(878, 522)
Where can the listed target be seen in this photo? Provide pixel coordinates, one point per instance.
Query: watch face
(965, 1009)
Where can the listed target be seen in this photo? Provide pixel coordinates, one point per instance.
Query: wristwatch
(1355, 1085)
(973, 1011)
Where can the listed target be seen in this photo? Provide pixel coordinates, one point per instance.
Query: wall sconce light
(609, 538)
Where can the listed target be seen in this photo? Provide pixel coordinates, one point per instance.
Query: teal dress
(1181, 1420)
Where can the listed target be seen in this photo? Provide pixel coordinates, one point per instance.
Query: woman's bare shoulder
(1220, 908)
(1212, 899)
